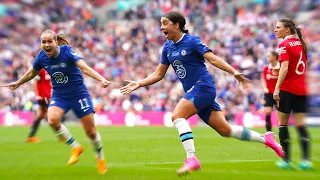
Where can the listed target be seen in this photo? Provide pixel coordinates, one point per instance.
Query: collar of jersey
(57, 53)
(276, 67)
(288, 37)
(180, 38)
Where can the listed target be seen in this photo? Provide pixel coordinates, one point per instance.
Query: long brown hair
(288, 23)
(62, 39)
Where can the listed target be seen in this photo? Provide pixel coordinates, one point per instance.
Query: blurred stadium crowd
(125, 43)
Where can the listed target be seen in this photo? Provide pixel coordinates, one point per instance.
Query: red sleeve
(283, 52)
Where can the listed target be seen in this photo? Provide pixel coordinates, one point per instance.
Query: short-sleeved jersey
(66, 77)
(44, 84)
(290, 49)
(186, 58)
(270, 75)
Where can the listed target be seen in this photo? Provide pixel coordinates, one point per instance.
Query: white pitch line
(145, 167)
(311, 174)
(219, 161)
(132, 164)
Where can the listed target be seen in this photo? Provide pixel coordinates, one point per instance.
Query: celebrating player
(186, 54)
(268, 80)
(69, 92)
(291, 90)
(43, 88)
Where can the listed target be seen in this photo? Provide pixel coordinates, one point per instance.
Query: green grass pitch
(146, 153)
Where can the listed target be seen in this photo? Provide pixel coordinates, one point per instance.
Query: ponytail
(62, 40)
(305, 48)
(288, 23)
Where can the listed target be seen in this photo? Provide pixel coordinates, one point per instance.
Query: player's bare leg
(41, 113)
(54, 115)
(184, 110)
(96, 141)
(268, 111)
(218, 122)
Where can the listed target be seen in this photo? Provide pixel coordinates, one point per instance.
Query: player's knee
(176, 116)
(92, 135)
(41, 116)
(268, 112)
(224, 132)
(54, 123)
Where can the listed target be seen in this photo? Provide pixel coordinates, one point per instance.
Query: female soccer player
(186, 54)
(268, 80)
(69, 92)
(291, 90)
(43, 88)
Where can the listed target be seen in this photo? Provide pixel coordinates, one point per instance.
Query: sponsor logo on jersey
(282, 50)
(60, 78)
(175, 53)
(56, 66)
(180, 70)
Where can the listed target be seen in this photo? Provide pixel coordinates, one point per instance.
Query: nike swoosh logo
(85, 110)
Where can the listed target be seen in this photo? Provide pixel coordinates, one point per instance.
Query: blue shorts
(81, 106)
(203, 97)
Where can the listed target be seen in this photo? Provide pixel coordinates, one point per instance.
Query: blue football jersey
(186, 58)
(66, 77)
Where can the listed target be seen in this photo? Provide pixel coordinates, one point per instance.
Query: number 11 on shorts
(84, 103)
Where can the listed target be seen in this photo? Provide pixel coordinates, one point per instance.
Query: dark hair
(288, 23)
(62, 40)
(275, 54)
(177, 17)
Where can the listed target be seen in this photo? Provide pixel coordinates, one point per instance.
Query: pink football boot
(272, 143)
(190, 164)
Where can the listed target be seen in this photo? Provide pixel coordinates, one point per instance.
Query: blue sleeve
(37, 62)
(199, 46)
(73, 55)
(164, 57)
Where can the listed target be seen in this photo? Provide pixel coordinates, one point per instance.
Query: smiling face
(49, 44)
(281, 31)
(169, 29)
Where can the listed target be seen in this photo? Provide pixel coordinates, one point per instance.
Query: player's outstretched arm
(92, 73)
(151, 79)
(30, 74)
(221, 64)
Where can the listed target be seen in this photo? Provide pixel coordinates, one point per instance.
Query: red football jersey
(270, 75)
(44, 84)
(291, 49)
